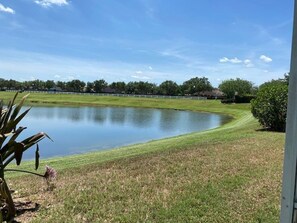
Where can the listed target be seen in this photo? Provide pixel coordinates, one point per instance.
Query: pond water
(82, 129)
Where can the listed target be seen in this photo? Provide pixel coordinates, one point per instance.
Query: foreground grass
(229, 174)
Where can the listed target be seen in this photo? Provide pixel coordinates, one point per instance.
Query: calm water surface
(82, 129)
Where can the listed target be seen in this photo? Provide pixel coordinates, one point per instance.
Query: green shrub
(227, 101)
(244, 98)
(270, 105)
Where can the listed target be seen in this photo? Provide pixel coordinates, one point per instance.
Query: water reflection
(165, 119)
(141, 118)
(98, 115)
(81, 129)
(118, 116)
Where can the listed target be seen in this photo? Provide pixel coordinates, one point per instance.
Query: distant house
(214, 94)
(108, 90)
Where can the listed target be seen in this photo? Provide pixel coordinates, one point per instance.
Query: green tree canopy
(119, 87)
(75, 86)
(90, 87)
(169, 88)
(236, 86)
(140, 87)
(49, 84)
(196, 85)
(99, 85)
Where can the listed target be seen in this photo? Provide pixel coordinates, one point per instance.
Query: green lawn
(228, 174)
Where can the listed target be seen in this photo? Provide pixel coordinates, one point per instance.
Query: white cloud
(6, 9)
(265, 59)
(235, 60)
(150, 68)
(141, 77)
(224, 60)
(248, 63)
(48, 3)
(57, 76)
(138, 72)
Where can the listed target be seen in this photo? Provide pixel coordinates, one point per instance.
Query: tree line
(197, 86)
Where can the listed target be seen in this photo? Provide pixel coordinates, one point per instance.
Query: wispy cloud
(183, 56)
(48, 67)
(150, 11)
(265, 59)
(6, 9)
(140, 77)
(234, 60)
(48, 3)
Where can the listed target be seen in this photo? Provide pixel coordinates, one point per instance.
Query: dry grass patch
(220, 182)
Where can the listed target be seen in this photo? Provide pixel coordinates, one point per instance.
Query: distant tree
(25, 85)
(2, 83)
(169, 88)
(90, 87)
(11, 84)
(99, 85)
(145, 88)
(130, 87)
(38, 85)
(236, 86)
(119, 87)
(196, 85)
(75, 86)
(61, 85)
(141, 88)
(49, 84)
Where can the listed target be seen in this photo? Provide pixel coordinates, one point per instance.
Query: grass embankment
(229, 174)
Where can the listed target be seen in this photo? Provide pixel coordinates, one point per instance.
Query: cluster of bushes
(244, 98)
(239, 99)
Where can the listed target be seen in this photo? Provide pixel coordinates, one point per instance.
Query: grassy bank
(229, 174)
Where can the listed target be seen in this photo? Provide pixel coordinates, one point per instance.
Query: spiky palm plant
(11, 149)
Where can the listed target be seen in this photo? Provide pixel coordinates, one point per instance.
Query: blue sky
(147, 40)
